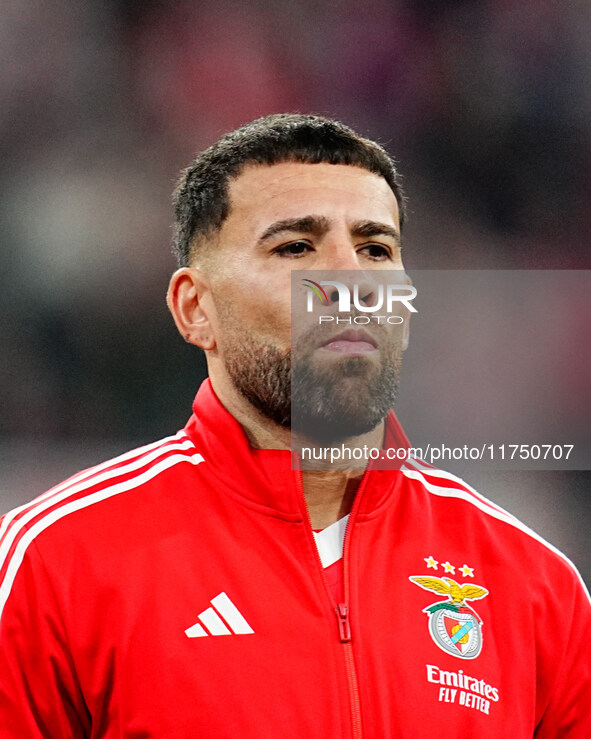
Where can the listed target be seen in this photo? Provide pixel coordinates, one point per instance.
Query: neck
(329, 495)
(329, 486)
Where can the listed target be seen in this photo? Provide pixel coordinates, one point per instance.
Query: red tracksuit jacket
(176, 591)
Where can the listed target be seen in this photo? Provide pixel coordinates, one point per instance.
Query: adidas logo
(210, 622)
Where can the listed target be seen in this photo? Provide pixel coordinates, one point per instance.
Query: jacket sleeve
(39, 694)
(567, 714)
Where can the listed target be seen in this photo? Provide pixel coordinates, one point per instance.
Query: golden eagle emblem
(457, 593)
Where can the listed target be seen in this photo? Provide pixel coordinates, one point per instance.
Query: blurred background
(485, 103)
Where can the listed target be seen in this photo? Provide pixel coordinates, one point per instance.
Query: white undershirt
(330, 542)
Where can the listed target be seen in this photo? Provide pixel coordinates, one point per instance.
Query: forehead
(262, 194)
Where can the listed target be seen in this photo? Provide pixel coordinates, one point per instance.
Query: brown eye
(377, 251)
(293, 249)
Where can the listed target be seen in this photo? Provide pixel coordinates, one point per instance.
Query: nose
(362, 286)
(341, 264)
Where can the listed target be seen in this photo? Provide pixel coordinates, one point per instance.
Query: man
(180, 590)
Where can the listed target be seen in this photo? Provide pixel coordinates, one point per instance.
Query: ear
(189, 302)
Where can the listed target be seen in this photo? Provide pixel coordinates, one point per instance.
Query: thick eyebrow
(317, 225)
(367, 229)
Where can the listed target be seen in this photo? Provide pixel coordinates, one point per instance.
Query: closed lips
(351, 341)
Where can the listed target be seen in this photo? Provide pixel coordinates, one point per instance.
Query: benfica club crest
(454, 626)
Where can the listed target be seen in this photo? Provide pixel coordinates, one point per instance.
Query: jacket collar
(264, 477)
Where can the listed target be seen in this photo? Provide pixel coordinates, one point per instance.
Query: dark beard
(348, 400)
(262, 374)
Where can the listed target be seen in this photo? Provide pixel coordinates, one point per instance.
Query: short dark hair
(201, 200)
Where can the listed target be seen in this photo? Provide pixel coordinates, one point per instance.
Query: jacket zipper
(345, 635)
(342, 610)
(344, 615)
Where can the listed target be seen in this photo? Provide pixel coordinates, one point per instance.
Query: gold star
(449, 568)
(467, 571)
(431, 562)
